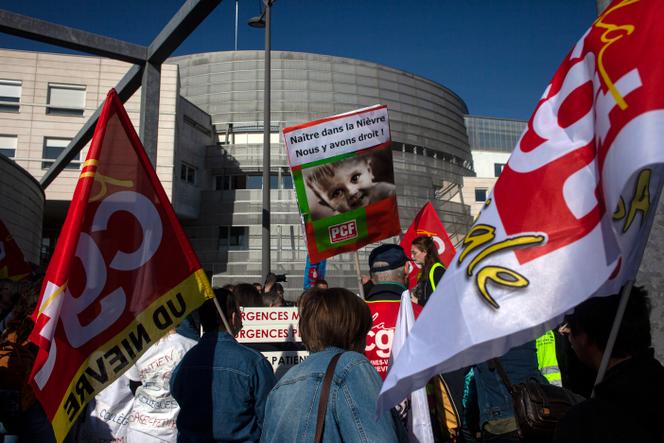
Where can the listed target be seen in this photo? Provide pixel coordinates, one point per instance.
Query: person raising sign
(424, 252)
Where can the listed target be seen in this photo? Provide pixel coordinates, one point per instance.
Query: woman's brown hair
(333, 317)
(427, 245)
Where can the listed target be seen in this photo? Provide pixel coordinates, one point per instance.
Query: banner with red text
(570, 214)
(426, 222)
(344, 180)
(274, 333)
(122, 275)
(12, 264)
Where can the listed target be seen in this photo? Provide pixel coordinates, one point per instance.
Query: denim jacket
(221, 387)
(493, 399)
(292, 406)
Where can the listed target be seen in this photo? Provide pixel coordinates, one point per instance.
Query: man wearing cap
(387, 265)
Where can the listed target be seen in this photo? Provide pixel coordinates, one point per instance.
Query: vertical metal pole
(266, 265)
(615, 327)
(236, 16)
(149, 121)
(359, 274)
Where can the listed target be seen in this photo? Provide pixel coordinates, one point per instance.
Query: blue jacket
(292, 406)
(221, 387)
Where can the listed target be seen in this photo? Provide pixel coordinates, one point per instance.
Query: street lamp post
(258, 22)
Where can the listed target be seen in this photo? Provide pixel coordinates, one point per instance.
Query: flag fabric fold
(570, 214)
(419, 418)
(122, 275)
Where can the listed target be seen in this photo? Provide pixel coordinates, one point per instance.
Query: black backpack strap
(324, 396)
(494, 363)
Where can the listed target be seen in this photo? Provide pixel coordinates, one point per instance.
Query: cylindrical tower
(430, 144)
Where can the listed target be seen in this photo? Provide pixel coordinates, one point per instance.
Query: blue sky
(498, 55)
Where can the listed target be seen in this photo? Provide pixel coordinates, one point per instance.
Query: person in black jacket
(425, 253)
(627, 403)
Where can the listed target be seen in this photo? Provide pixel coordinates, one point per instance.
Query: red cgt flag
(12, 264)
(426, 222)
(122, 275)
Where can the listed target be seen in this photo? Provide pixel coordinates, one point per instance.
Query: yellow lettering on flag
(120, 352)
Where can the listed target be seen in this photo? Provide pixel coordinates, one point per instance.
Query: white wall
(483, 162)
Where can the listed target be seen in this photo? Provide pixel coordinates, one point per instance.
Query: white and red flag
(571, 212)
(426, 222)
(12, 264)
(122, 275)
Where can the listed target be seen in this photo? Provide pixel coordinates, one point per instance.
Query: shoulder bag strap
(495, 362)
(324, 395)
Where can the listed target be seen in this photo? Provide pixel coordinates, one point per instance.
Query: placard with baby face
(344, 179)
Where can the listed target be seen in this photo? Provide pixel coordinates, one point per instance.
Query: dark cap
(387, 257)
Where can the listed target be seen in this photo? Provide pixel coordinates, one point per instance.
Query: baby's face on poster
(348, 187)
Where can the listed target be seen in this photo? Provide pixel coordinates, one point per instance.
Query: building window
(498, 168)
(288, 181)
(64, 99)
(10, 95)
(230, 182)
(255, 181)
(53, 147)
(188, 174)
(480, 194)
(8, 145)
(234, 237)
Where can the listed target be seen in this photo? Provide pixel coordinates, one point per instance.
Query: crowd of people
(198, 384)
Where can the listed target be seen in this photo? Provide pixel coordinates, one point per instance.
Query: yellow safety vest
(546, 358)
(431, 279)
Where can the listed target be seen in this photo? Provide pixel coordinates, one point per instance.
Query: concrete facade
(34, 124)
(430, 152)
(21, 208)
(210, 131)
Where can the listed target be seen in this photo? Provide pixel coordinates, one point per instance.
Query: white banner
(337, 135)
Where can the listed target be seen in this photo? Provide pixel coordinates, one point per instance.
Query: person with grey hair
(387, 265)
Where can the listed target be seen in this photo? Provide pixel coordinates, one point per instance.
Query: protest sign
(273, 332)
(344, 180)
(426, 222)
(313, 272)
(122, 275)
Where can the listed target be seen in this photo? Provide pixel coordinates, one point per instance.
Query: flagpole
(359, 274)
(223, 317)
(608, 350)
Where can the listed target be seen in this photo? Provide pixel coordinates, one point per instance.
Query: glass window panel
(288, 182)
(53, 147)
(239, 182)
(10, 95)
(64, 99)
(254, 182)
(480, 194)
(8, 145)
(188, 174)
(219, 181)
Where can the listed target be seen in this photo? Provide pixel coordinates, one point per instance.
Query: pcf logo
(343, 231)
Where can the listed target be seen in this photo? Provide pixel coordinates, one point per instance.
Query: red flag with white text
(12, 264)
(571, 212)
(426, 222)
(122, 275)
